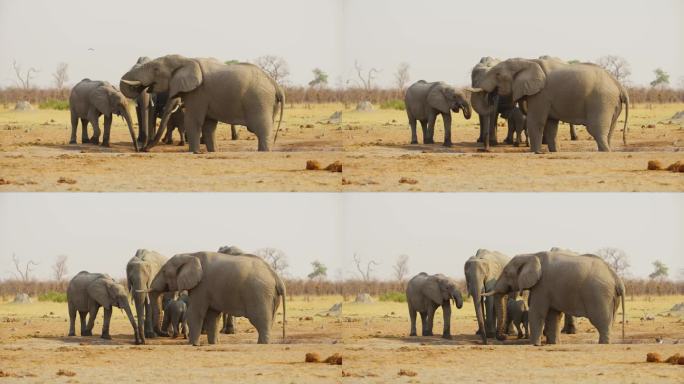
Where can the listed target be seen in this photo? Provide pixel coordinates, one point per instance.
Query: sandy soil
(373, 147)
(372, 339)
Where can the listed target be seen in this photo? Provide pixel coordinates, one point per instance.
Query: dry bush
(653, 357)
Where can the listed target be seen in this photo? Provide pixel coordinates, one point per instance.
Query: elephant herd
(556, 282)
(194, 94)
(194, 288)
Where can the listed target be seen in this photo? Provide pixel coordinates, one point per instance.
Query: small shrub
(57, 297)
(393, 104)
(60, 105)
(397, 297)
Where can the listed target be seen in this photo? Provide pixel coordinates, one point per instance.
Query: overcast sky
(438, 231)
(440, 39)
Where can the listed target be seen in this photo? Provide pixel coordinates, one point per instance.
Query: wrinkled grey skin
(517, 315)
(568, 321)
(175, 316)
(553, 279)
(140, 270)
(481, 272)
(242, 285)
(516, 125)
(489, 110)
(211, 91)
(228, 327)
(424, 294)
(91, 99)
(425, 101)
(86, 293)
(553, 91)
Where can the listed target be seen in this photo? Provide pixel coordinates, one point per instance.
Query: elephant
(559, 281)
(553, 90)
(228, 326)
(89, 99)
(424, 294)
(140, 271)
(175, 316)
(481, 272)
(517, 314)
(86, 293)
(424, 101)
(242, 285)
(516, 125)
(211, 91)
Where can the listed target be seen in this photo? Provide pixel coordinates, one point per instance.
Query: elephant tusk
(488, 294)
(474, 90)
(134, 83)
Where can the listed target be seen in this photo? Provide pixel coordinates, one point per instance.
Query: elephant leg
(535, 128)
(92, 314)
(446, 117)
(261, 320)
(168, 136)
(446, 312)
(537, 317)
(414, 135)
(600, 135)
(211, 323)
(260, 123)
(193, 128)
(511, 130)
(209, 134)
(423, 323)
(74, 127)
(195, 316)
(431, 319)
(93, 117)
(573, 133)
(569, 325)
(412, 316)
(552, 326)
(149, 319)
(551, 134)
(107, 130)
(184, 326)
(509, 324)
(229, 327)
(493, 129)
(234, 132)
(482, 121)
(181, 131)
(72, 320)
(424, 128)
(526, 325)
(82, 316)
(105, 323)
(430, 138)
(166, 321)
(84, 131)
(175, 321)
(490, 317)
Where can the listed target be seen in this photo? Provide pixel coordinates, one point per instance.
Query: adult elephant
(559, 281)
(91, 99)
(425, 101)
(140, 271)
(242, 285)
(424, 294)
(481, 272)
(86, 293)
(228, 326)
(211, 91)
(552, 90)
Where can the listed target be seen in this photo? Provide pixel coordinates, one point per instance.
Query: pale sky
(440, 39)
(438, 231)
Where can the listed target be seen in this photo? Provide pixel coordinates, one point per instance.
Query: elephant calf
(174, 316)
(424, 293)
(517, 315)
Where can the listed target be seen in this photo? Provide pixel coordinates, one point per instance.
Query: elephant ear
(99, 98)
(437, 99)
(528, 81)
(435, 290)
(186, 78)
(99, 291)
(530, 272)
(189, 272)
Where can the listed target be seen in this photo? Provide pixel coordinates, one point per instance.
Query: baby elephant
(424, 293)
(516, 314)
(174, 316)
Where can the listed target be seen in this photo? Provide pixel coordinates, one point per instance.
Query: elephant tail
(280, 99)
(624, 98)
(280, 292)
(620, 290)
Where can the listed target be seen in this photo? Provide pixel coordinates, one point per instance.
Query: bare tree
(366, 78)
(401, 268)
(275, 257)
(59, 268)
(365, 274)
(402, 76)
(616, 258)
(24, 79)
(61, 76)
(616, 66)
(275, 66)
(25, 271)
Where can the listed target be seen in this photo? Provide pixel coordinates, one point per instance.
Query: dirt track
(373, 147)
(372, 339)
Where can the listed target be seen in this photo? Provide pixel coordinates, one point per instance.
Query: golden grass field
(372, 146)
(372, 339)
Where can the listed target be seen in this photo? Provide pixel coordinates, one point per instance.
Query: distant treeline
(308, 95)
(346, 288)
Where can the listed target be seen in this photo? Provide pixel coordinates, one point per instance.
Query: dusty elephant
(211, 91)
(140, 270)
(242, 285)
(517, 315)
(424, 294)
(175, 313)
(425, 101)
(582, 94)
(86, 293)
(91, 99)
(561, 282)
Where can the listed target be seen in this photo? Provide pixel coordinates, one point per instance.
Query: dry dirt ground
(372, 146)
(372, 339)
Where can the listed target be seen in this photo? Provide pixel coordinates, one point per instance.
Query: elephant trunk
(144, 117)
(139, 298)
(155, 304)
(467, 112)
(129, 122)
(129, 313)
(500, 309)
(474, 290)
(171, 106)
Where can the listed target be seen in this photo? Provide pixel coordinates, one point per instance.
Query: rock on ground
(363, 298)
(22, 298)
